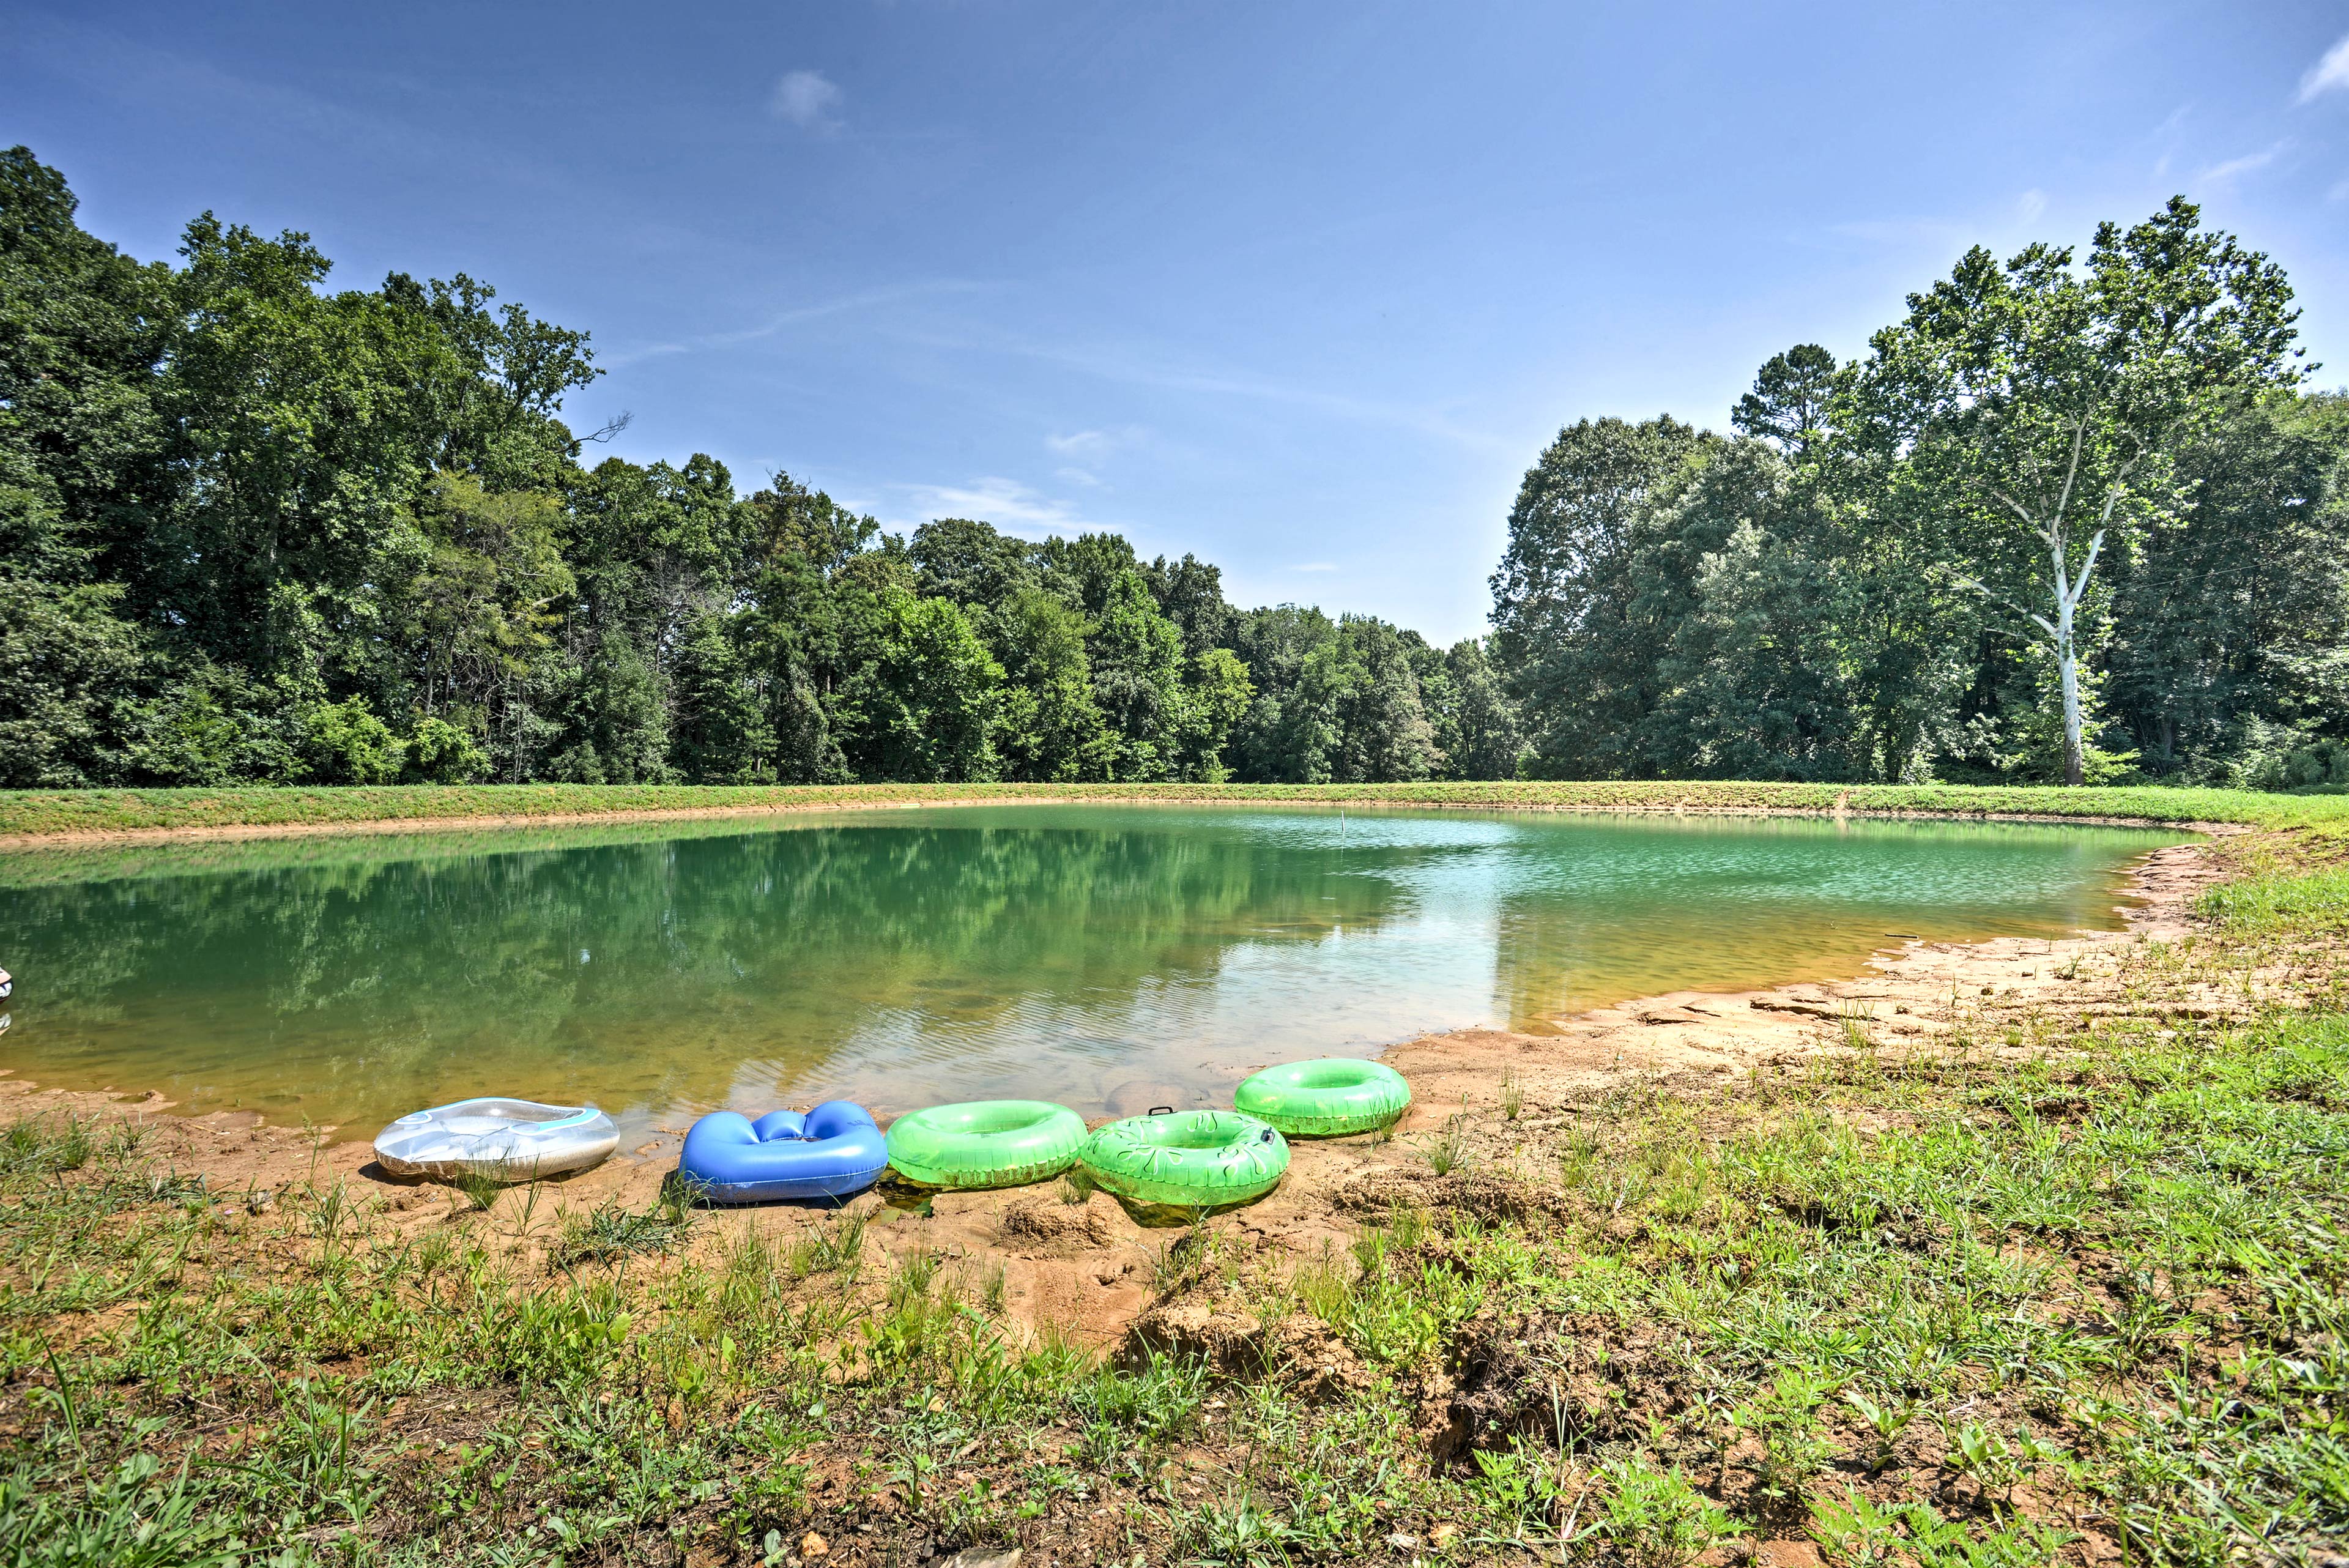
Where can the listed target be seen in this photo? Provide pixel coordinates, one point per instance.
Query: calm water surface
(1109, 957)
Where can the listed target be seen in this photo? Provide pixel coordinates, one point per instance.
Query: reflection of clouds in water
(1261, 1002)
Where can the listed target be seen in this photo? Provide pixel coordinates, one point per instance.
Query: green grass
(43, 812)
(2308, 902)
(2055, 1282)
(2101, 1289)
(611, 1232)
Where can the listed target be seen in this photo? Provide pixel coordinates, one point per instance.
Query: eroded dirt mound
(1552, 1378)
(1487, 1196)
(1042, 1223)
(1299, 1351)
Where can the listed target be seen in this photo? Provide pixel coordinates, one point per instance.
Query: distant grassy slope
(42, 812)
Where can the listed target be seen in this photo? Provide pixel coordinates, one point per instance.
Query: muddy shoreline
(1085, 1265)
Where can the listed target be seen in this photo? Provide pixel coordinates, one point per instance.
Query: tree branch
(2015, 506)
(2072, 471)
(2080, 587)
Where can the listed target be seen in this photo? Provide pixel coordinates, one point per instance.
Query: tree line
(2076, 517)
(254, 530)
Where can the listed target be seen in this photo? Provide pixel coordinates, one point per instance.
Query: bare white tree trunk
(2075, 767)
(2069, 591)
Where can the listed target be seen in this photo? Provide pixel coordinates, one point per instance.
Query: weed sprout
(481, 1189)
(1447, 1152)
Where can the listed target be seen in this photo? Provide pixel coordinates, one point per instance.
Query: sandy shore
(1087, 1265)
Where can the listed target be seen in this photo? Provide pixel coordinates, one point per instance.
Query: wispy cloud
(1009, 505)
(2331, 72)
(2234, 168)
(1315, 567)
(1143, 367)
(117, 67)
(808, 102)
(1087, 450)
(1088, 443)
(2032, 204)
(863, 299)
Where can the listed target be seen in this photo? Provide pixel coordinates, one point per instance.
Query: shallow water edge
(1095, 954)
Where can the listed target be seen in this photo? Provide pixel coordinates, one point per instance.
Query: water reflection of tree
(347, 989)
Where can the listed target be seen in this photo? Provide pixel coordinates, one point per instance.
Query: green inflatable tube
(1194, 1158)
(985, 1143)
(1328, 1098)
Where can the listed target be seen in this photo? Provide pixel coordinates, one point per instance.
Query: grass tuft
(478, 1189)
(610, 1232)
(42, 1146)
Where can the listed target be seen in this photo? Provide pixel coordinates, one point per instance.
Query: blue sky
(1301, 288)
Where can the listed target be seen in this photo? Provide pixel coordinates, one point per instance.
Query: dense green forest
(255, 531)
(2076, 518)
(2073, 518)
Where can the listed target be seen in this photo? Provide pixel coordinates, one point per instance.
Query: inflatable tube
(834, 1150)
(511, 1140)
(985, 1143)
(1194, 1158)
(1328, 1098)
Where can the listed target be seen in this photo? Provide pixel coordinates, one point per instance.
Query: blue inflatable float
(832, 1151)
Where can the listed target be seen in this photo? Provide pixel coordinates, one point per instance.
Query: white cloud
(1091, 446)
(864, 299)
(2331, 72)
(808, 102)
(1009, 505)
(1315, 567)
(2220, 174)
(1143, 367)
(1087, 450)
(2033, 203)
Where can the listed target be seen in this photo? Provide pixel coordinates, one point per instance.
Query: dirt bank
(1496, 1103)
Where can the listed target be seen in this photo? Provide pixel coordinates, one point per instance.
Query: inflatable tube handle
(1162, 1110)
(584, 1113)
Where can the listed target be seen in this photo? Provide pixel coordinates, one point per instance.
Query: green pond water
(1108, 957)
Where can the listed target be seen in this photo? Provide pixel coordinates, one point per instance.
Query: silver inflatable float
(510, 1140)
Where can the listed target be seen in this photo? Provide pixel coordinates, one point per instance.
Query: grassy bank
(44, 811)
(2061, 1284)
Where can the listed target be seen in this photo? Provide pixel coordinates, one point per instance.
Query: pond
(1105, 956)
